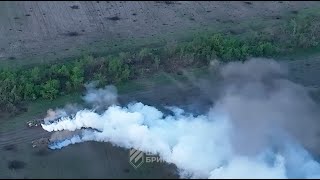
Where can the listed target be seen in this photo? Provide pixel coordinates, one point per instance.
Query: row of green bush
(52, 80)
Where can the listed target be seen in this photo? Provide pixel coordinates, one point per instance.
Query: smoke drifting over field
(100, 98)
(53, 115)
(259, 127)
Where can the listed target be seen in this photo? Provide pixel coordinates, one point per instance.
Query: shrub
(50, 89)
(144, 53)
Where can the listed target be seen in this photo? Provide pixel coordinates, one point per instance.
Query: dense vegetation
(52, 80)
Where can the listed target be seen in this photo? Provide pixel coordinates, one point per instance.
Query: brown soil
(33, 32)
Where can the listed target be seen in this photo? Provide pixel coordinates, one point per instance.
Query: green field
(39, 107)
(156, 61)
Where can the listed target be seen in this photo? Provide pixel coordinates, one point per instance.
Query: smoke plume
(261, 126)
(53, 115)
(100, 98)
(260, 101)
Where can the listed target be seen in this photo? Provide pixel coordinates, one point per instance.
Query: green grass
(251, 25)
(131, 86)
(161, 78)
(300, 54)
(38, 108)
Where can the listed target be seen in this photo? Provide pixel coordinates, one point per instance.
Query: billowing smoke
(62, 135)
(53, 115)
(259, 127)
(100, 98)
(64, 138)
(260, 100)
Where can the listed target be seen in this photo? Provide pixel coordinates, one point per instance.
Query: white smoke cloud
(62, 139)
(250, 132)
(100, 98)
(53, 115)
(199, 145)
(62, 135)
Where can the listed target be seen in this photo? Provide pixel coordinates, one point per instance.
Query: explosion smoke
(100, 98)
(53, 115)
(258, 128)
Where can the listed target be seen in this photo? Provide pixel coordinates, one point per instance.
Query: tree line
(52, 80)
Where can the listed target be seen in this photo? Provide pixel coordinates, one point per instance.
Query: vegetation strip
(50, 81)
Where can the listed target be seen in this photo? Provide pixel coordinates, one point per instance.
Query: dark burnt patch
(166, 2)
(276, 17)
(42, 152)
(114, 18)
(10, 147)
(16, 165)
(72, 34)
(169, 2)
(74, 7)
(126, 170)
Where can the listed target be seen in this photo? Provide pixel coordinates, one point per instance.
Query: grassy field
(64, 164)
(112, 161)
(38, 108)
(246, 29)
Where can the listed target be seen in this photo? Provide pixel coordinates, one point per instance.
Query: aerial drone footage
(159, 89)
